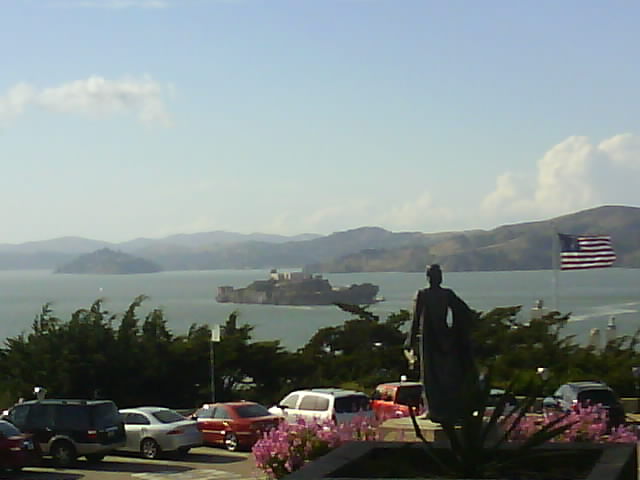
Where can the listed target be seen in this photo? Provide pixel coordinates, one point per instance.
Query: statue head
(434, 274)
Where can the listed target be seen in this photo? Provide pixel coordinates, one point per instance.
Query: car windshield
(8, 430)
(106, 415)
(352, 404)
(248, 411)
(595, 397)
(167, 416)
(409, 395)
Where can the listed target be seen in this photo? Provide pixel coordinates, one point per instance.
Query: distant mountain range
(522, 246)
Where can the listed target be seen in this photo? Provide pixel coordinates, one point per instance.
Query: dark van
(67, 429)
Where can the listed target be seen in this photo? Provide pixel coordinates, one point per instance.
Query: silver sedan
(154, 430)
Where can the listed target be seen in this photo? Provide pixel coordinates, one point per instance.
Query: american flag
(585, 251)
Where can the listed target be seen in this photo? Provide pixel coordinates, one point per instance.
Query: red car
(236, 425)
(392, 400)
(17, 449)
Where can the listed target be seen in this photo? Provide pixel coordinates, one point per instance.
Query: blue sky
(129, 118)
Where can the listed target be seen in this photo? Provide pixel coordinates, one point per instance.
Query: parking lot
(203, 463)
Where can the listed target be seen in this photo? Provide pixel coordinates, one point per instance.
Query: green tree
(364, 350)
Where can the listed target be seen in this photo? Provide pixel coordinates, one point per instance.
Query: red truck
(392, 400)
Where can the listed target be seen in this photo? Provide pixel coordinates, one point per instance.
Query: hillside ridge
(515, 246)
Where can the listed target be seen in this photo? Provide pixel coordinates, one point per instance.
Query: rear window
(72, 417)
(352, 404)
(595, 397)
(410, 395)
(105, 415)
(167, 416)
(249, 411)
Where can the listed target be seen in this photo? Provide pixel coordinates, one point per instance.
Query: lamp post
(215, 337)
(635, 371)
(543, 373)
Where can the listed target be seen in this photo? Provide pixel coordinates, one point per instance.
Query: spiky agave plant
(475, 442)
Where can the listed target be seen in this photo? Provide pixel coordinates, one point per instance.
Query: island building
(298, 288)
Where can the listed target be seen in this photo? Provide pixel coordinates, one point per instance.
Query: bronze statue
(447, 368)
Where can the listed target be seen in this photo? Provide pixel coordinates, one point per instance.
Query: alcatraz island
(298, 288)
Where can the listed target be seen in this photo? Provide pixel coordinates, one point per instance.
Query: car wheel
(63, 453)
(231, 441)
(150, 448)
(95, 457)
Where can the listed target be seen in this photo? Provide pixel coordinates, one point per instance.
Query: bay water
(187, 297)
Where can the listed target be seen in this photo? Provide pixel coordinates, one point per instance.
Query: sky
(122, 119)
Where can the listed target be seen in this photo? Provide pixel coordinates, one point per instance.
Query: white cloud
(504, 194)
(418, 213)
(574, 174)
(92, 96)
(15, 100)
(623, 150)
(564, 175)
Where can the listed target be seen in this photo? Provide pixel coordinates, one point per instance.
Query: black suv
(569, 395)
(67, 429)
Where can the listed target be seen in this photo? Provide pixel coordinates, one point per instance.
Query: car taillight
(92, 434)
(177, 431)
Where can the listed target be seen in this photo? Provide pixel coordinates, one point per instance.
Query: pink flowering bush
(586, 424)
(288, 447)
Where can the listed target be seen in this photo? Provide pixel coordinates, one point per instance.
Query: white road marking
(198, 474)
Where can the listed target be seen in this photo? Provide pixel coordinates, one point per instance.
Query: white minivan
(335, 404)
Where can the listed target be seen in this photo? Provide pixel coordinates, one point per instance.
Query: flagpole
(555, 258)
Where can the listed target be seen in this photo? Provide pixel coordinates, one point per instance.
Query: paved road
(203, 463)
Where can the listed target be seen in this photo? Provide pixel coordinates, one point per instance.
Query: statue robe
(445, 353)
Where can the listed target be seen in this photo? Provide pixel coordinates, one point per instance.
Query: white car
(154, 430)
(335, 404)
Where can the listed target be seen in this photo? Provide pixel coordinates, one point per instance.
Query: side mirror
(282, 407)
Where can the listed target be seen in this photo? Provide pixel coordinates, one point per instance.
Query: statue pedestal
(401, 430)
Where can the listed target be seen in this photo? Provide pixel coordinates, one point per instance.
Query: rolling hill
(521, 246)
(108, 262)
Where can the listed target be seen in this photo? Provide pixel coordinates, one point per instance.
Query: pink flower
(588, 424)
(290, 446)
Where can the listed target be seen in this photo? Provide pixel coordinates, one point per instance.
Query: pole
(213, 383)
(555, 260)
